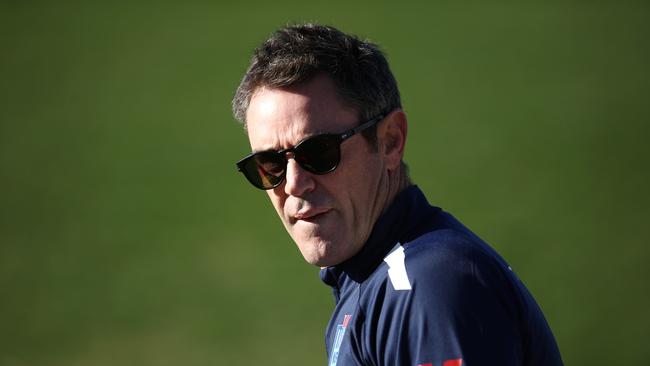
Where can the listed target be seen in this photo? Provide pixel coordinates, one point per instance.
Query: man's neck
(396, 183)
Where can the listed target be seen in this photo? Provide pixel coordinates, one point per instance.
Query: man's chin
(322, 262)
(320, 252)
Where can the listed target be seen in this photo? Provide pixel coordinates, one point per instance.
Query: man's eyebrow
(307, 136)
(315, 133)
(255, 151)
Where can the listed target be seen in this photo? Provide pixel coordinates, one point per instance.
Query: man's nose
(298, 180)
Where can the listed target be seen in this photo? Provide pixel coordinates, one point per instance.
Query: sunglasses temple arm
(360, 128)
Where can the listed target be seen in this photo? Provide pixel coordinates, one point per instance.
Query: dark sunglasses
(318, 154)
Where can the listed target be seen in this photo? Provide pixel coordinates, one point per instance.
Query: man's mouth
(311, 215)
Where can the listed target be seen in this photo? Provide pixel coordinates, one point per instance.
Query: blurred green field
(128, 238)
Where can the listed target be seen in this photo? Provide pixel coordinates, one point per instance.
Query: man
(412, 285)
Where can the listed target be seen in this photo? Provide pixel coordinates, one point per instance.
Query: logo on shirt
(397, 269)
(340, 332)
(456, 362)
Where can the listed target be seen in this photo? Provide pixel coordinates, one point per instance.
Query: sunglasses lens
(264, 170)
(319, 154)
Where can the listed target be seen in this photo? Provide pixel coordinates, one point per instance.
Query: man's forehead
(317, 95)
(294, 99)
(281, 117)
(274, 109)
(267, 101)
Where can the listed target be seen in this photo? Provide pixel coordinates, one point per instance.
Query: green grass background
(128, 238)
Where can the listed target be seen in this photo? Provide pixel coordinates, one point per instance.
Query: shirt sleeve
(462, 308)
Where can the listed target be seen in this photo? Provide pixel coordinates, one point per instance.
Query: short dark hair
(297, 53)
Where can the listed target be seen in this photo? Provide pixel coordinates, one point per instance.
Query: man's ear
(391, 137)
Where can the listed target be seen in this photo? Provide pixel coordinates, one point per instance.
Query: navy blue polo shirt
(424, 290)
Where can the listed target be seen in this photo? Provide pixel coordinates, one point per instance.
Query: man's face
(328, 216)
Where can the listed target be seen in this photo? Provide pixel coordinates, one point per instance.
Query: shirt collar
(398, 224)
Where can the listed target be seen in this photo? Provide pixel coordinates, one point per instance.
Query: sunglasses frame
(340, 138)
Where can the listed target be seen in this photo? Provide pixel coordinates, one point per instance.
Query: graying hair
(297, 53)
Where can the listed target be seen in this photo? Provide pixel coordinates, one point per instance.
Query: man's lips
(311, 214)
